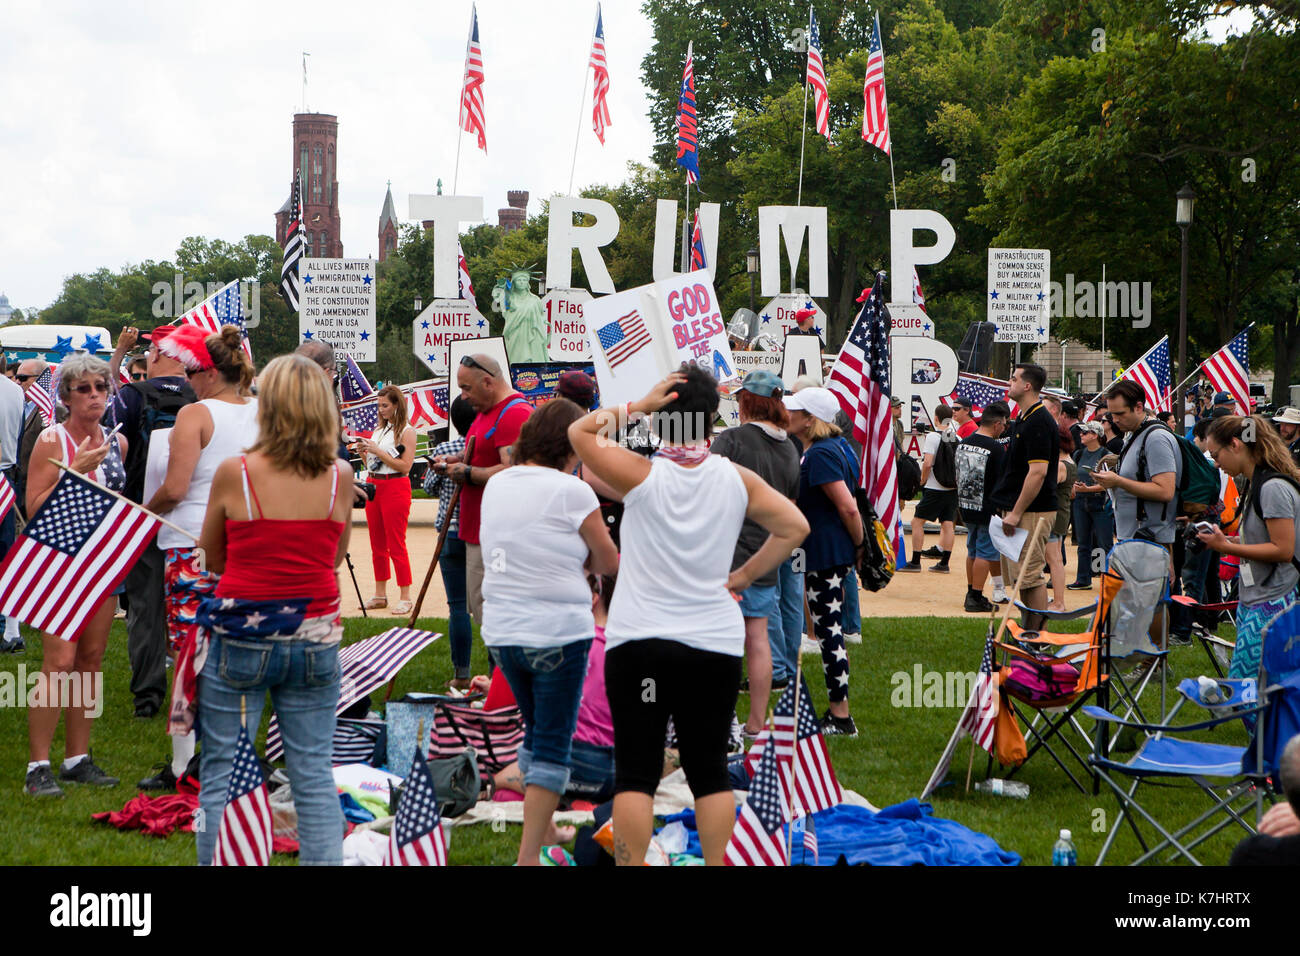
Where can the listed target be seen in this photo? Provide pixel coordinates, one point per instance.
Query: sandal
(402, 609)
(375, 603)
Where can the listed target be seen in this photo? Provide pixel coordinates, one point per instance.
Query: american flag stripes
(360, 419)
(980, 390)
(600, 87)
(41, 393)
(360, 411)
(981, 714)
(7, 497)
(623, 338)
(697, 245)
(290, 280)
(875, 116)
(417, 838)
(1229, 370)
(860, 380)
(810, 838)
(466, 284)
(223, 307)
(816, 77)
(1151, 371)
(816, 787)
(688, 144)
(758, 838)
(427, 406)
(918, 297)
(244, 838)
(472, 117)
(76, 549)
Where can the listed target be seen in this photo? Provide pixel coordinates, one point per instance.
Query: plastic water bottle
(1209, 690)
(1004, 788)
(1064, 853)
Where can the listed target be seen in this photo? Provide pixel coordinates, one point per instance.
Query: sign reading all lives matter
(443, 322)
(337, 305)
(567, 325)
(1018, 295)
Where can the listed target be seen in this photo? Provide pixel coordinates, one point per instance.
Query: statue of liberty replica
(525, 319)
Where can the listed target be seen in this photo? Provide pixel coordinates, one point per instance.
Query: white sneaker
(854, 638)
(1000, 596)
(807, 646)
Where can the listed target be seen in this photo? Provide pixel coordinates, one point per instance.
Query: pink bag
(1041, 680)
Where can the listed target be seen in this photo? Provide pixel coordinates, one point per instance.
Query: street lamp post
(1183, 216)
(751, 266)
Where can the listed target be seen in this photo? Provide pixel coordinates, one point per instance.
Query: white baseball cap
(817, 402)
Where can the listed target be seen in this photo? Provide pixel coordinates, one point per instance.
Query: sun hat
(1288, 415)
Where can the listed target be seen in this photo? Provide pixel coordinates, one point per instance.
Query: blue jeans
(451, 563)
(303, 679)
(785, 647)
(547, 684)
(1095, 529)
(592, 778)
(851, 616)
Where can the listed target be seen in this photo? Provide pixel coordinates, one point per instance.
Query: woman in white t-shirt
(541, 531)
(221, 424)
(675, 633)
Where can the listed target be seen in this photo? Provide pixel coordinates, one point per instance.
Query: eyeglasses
(85, 388)
(139, 376)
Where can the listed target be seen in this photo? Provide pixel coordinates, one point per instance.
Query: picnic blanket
(906, 834)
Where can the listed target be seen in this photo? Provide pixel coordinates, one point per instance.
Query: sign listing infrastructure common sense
(337, 305)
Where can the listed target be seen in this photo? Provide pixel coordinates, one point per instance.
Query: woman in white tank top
(674, 619)
(219, 426)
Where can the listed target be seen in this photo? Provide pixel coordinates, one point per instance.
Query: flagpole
(473, 18)
(1202, 365)
(1143, 359)
(803, 130)
(884, 90)
(90, 481)
(582, 105)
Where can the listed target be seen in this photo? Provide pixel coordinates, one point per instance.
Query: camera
(367, 492)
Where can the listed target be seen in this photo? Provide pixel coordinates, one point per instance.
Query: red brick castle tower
(315, 153)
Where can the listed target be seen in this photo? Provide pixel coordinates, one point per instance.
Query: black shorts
(648, 681)
(937, 505)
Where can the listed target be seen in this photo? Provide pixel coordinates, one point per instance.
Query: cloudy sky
(128, 127)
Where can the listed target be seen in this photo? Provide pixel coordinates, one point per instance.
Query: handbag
(455, 780)
(451, 726)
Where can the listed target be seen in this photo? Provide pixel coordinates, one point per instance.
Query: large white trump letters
(447, 213)
(563, 237)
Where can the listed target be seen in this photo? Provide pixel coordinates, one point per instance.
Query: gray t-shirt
(774, 460)
(1162, 455)
(1269, 581)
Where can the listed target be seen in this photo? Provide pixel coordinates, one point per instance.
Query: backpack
(1261, 476)
(1198, 488)
(944, 467)
(158, 410)
(876, 561)
(909, 477)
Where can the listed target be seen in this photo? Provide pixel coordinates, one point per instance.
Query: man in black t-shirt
(1024, 495)
(979, 463)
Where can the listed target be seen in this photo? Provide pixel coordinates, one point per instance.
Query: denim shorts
(759, 601)
(591, 774)
(979, 542)
(547, 684)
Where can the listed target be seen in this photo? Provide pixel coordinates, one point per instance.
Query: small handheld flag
(244, 838)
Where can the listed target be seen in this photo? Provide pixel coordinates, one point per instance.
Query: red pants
(386, 518)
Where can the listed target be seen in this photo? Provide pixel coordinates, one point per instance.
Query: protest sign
(566, 325)
(337, 305)
(445, 321)
(1018, 295)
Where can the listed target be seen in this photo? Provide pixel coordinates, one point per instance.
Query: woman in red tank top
(276, 531)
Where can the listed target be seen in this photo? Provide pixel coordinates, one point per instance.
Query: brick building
(315, 154)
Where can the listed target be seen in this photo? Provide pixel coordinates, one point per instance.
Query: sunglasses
(18, 376)
(468, 362)
(86, 388)
(139, 376)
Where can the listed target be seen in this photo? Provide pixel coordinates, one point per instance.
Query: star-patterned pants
(826, 602)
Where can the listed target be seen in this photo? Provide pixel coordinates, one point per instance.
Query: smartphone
(1205, 527)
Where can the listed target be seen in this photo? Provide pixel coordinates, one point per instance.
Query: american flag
(362, 418)
(918, 297)
(875, 116)
(758, 838)
(600, 91)
(688, 146)
(979, 391)
(290, 281)
(817, 77)
(6, 496)
(981, 715)
(40, 394)
(427, 406)
(223, 307)
(815, 784)
(462, 274)
(697, 245)
(623, 338)
(810, 838)
(76, 549)
(1229, 370)
(244, 838)
(860, 380)
(1151, 371)
(417, 838)
(472, 117)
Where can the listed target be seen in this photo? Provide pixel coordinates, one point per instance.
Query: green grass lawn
(889, 762)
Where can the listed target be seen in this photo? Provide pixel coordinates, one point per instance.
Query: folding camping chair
(1216, 648)
(1233, 778)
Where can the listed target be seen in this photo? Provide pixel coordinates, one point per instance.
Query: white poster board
(337, 305)
(566, 325)
(802, 356)
(777, 317)
(693, 325)
(908, 318)
(1019, 295)
(444, 321)
(494, 346)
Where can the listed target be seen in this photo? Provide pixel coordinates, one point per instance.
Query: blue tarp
(906, 834)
